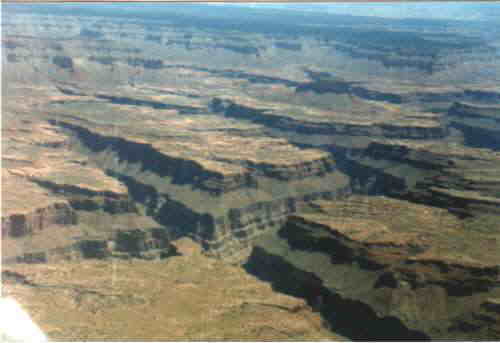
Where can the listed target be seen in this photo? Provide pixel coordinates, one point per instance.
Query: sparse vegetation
(351, 162)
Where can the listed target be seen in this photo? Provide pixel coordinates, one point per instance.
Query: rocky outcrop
(351, 255)
(23, 224)
(479, 136)
(338, 311)
(284, 123)
(182, 171)
(229, 236)
(190, 171)
(110, 205)
(224, 223)
(151, 243)
(81, 198)
(233, 235)
(299, 171)
(326, 83)
(146, 244)
(479, 124)
(462, 180)
(463, 110)
(399, 260)
(194, 163)
(427, 64)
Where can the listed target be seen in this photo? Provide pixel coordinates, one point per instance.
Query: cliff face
(479, 123)
(146, 243)
(223, 203)
(274, 120)
(463, 180)
(122, 136)
(361, 252)
(23, 224)
(233, 235)
(195, 173)
(81, 198)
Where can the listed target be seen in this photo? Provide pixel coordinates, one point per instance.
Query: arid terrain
(176, 172)
(190, 297)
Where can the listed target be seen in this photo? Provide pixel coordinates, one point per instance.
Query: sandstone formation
(352, 163)
(415, 264)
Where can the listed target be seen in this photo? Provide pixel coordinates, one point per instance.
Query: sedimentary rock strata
(121, 136)
(404, 264)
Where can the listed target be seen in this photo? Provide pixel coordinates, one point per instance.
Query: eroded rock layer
(121, 135)
(384, 254)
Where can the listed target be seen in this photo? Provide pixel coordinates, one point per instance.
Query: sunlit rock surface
(352, 163)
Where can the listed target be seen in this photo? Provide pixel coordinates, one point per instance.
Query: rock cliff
(386, 254)
(23, 224)
(250, 137)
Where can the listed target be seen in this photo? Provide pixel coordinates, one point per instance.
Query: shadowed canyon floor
(383, 252)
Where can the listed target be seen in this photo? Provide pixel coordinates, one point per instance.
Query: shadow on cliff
(174, 216)
(182, 171)
(339, 250)
(350, 318)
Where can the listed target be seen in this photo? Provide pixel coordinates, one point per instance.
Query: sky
(429, 10)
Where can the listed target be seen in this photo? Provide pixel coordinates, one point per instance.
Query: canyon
(342, 179)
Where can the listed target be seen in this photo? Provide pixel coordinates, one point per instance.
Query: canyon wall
(398, 281)
(122, 136)
(23, 224)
